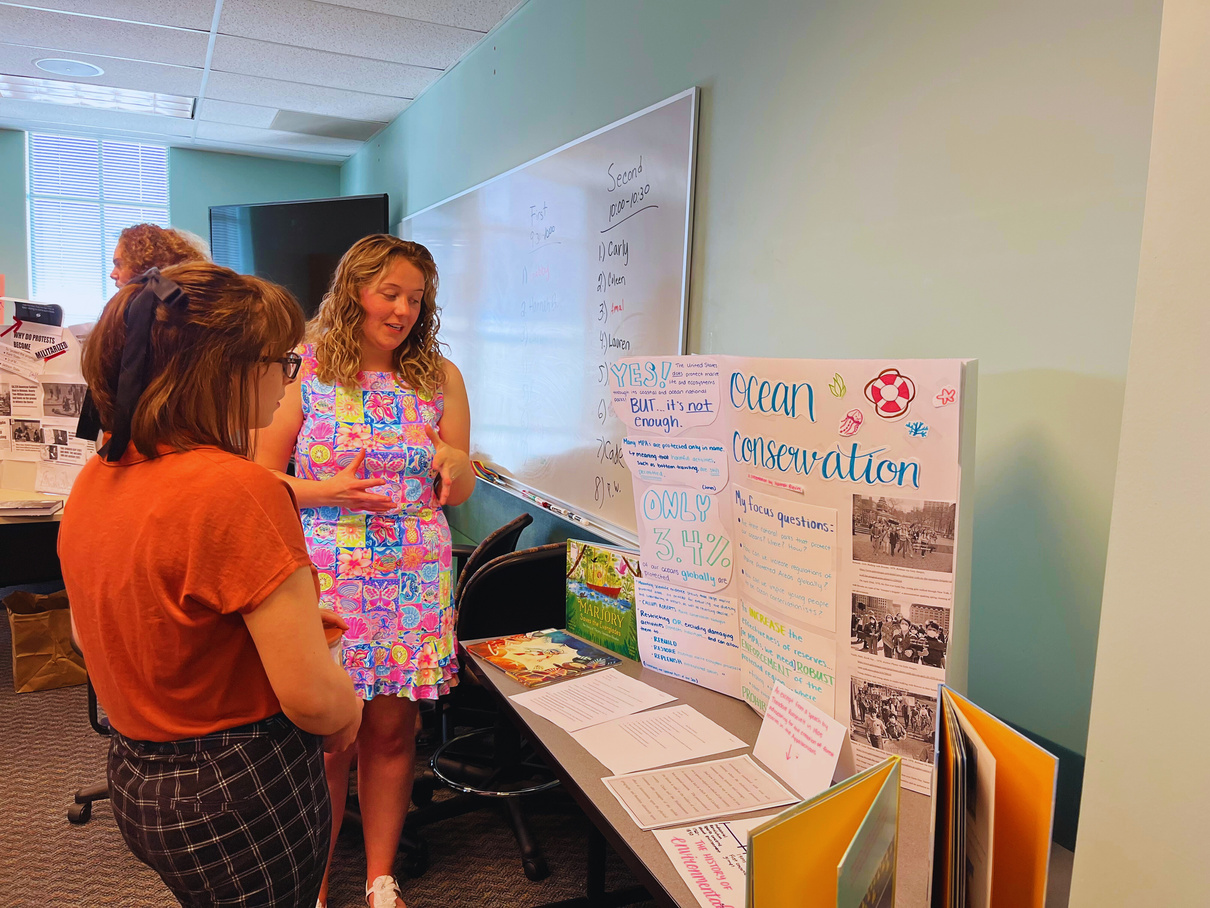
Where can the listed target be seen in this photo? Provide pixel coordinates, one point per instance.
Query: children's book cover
(541, 656)
(600, 595)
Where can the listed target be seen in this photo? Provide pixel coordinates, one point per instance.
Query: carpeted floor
(48, 750)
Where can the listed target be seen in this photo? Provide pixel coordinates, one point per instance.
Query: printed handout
(592, 699)
(656, 738)
(699, 791)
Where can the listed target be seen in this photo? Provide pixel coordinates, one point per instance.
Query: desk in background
(28, 545)
(581, 775)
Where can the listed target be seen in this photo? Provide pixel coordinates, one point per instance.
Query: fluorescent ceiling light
(98, 97)
(63, 67)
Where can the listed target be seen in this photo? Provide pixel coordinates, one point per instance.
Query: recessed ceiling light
(99, 97)
(60, 67)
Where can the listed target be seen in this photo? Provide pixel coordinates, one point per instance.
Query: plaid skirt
(239, 817)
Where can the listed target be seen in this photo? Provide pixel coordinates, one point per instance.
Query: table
(581, 775)
(28, 545)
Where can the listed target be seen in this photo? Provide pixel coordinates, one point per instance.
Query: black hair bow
(136, 354)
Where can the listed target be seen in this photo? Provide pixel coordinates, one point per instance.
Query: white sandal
(383, 887)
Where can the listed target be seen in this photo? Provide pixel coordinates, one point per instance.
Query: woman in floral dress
(379, 427)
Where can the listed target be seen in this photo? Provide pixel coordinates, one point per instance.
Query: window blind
(82, 194)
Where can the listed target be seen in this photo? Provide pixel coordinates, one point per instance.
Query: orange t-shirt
(161, 559)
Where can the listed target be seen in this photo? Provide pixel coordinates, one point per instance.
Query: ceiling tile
(321, 26)
(269, 138)
(180, 13)
(102, 36)
(478, 15)
(173, 80)
(316, 67)
(214, 111)
(262, 151)
(36, 116)
(308, 98)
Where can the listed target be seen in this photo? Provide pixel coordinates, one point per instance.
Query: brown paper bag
(43, 657)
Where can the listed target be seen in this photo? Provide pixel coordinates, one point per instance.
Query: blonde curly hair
(336, 328)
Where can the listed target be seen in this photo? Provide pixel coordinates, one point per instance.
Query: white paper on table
(19, 362)
(712, 858)
(699, 791)
(799, 742)
(656, 738)
(55, 478)
(591, 699)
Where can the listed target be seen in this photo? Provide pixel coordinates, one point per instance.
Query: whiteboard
(548, 274)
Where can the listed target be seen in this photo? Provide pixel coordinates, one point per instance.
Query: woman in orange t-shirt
(193, 597)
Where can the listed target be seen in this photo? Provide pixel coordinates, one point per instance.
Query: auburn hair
(204, 358)
(336, 327)
(147, 245)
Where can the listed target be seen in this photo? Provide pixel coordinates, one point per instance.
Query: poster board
(549, 274)
(806, 521)
(41, 391)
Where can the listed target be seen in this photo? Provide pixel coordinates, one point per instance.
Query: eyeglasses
(290, 364)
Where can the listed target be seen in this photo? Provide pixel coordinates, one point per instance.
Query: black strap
(136, 354)
(89, 426)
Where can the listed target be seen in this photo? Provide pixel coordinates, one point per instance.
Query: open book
(993, 809)
(837, 850)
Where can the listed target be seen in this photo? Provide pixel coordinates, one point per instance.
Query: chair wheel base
(79, 813)
(535, 869)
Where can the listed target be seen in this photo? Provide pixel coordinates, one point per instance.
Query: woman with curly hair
(144, 246)
(379, 427)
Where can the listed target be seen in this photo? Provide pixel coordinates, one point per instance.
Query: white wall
(1143, 828)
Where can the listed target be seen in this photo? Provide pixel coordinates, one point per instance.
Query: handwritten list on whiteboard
(551, 273)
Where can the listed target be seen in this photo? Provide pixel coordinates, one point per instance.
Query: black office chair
(514, 593)
(81, 810)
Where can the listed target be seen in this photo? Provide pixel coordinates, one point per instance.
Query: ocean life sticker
(891, 393)
(945, 397)
(851, 422)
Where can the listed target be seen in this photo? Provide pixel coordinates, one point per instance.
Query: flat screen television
(295, 244)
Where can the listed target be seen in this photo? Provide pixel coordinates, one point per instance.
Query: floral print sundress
(387, 575)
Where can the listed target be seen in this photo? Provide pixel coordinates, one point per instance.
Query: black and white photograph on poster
(904, 532)
(6, 434)
(27, 431)
(892, 720)
(62, 398)
(6, 400)
(52, 436)
(907, 631)
(50, 452)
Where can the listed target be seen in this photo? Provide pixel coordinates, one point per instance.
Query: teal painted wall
(882, 179)
(199, 179)
(14, 243)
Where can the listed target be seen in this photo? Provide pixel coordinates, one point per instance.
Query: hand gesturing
(449, 465)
